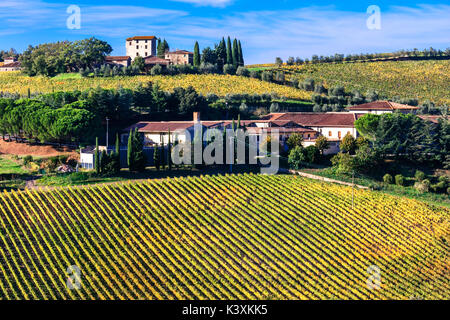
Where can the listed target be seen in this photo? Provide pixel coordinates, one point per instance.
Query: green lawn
(9, 166)
(67, 76)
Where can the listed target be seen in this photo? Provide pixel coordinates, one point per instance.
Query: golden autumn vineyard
(221, 237)
(221, 85)
(422, 80)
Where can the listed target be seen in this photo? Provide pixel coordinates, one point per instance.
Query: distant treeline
(430, 53)
(78, 115)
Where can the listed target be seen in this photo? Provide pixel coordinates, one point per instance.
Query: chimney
(196, 117)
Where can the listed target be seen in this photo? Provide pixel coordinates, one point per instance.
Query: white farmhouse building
(141, 46)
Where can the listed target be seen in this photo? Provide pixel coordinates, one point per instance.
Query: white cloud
(212, 3)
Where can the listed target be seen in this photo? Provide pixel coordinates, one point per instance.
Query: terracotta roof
(141, 38)
(382, 105)
(156, 60)
(15, 64)
(180, 52)
(433, 119)
(317, 119)
(117, 58)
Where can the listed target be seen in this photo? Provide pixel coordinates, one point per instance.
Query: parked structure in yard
(380, 107)
(141, 46)
(180, 57)
(10, 64)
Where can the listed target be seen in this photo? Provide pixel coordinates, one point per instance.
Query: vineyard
(222, 237)
(407, 79)
(221, 85)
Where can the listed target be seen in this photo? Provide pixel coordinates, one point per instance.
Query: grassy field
(221, 85)
(10, 166)
(429, 79)
(222, 237)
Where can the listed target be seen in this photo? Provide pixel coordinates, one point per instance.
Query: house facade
(141, 46)
(180, 57)
(10, 64)
(120, 61)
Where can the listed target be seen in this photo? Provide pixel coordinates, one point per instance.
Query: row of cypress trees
(225, 53)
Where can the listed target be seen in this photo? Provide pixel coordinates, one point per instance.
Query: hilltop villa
(145, 47)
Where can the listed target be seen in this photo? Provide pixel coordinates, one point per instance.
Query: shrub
(254, 74)
(296, 158)
(343, 163)
(375, 186)
(27, 160)
(243, 72)
(399, 180)
(387, 178)
(312, 154)
(294, 140)
(156, 70)
(448, 190)
(421, 187)
(267, 76)
(420, 176)
(229, 69)
(438, 187)
(274, 107)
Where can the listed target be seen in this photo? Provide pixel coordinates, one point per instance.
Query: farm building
(10, 64)
(380, 107)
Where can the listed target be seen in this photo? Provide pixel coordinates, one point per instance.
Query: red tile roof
(180, 52)
(382, 105)
(433, 119)
(141, 38)
(156, 60)
(15, 64)
(316, 119)
(117, 58)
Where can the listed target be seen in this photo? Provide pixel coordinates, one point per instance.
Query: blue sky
(266, 28)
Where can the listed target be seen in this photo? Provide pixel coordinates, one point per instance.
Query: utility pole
(107, 133)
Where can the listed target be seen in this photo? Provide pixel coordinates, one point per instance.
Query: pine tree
(229, 53)
(235, 53)
(97, 157)
(241, 55)
(196, 55)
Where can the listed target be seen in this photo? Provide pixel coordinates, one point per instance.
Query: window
(131, 43)
(146, 47)
(137, 54)
(145, 42)
(137, 47)
(339, 134)
(329, 133)
(146, 54)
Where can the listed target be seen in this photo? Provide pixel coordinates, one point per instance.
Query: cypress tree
(229, 53)
(241, 55)
(130, 150)
(156, 157)
(235, 53)
(166, 46)
(117, 144)
(97, 157)
(196, 55)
